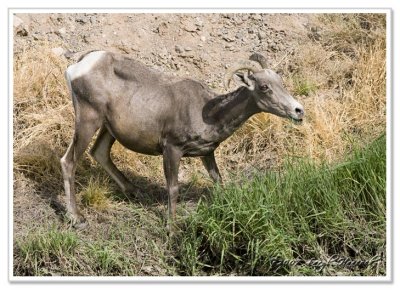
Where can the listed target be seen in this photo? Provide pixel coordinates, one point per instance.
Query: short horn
(250, 65)
(260, 59)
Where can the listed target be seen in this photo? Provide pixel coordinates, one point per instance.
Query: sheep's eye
(264, 88)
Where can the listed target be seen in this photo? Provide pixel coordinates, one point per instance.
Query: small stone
(162, 29)
(38, 36)
(62, 31)
(58, 51)
(228, 38)
(245, 17)
(189, 26)
(179, 49)
(262, 35)
(188, 54)
(203, 38)
(21, 31)
(257, 17)
(238, 21)
(134, 47)
(239, 35)
(188, 48)
(199, 23)
(19, 26)
(69, 54)
(82, 19)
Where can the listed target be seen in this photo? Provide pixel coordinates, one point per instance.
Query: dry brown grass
(348, 69)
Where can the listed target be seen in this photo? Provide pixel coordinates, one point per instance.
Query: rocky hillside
(200, 46)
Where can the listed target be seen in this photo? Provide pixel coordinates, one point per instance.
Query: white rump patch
(85, 65)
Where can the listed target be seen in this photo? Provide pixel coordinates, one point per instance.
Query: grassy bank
(304, 214)
(289, 222)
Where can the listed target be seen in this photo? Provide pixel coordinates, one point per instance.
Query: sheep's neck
(228, 112)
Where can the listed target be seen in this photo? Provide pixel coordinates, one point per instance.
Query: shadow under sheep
(147, 193)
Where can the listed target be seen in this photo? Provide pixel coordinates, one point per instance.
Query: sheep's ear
(245, 80)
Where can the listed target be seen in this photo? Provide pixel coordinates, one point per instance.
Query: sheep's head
(266, 87)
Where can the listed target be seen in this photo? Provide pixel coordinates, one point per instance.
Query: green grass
(124, 241)
(277, 223)
(46, 250)
(107, 260)
(303, 87)
(306, 212)
(63, 252)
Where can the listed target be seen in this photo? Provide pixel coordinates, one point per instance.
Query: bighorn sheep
(150, 113)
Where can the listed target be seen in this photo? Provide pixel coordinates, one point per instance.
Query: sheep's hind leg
(85, 128)
(101, 153)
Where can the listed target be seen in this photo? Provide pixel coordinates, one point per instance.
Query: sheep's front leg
(172, 157)
(211, 167)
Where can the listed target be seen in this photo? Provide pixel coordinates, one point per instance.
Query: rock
(189, 26)
(273, 47)
(19, 26)
(199, 23)
(257, 17)
(69, 54)
(61, 32)
(58, 51)
(188, 48)
(239, 35)
(22, 31)
(188, 54)
(38, 36)
(162, 29)
(228, 38)
(179, 49)
(314, 34)
(134, 47)
(203, 38)
(238, 20)
(142, 33)
(123, 46)
(82, 19)
(262, 35)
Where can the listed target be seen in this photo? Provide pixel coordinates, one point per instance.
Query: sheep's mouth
(296, 120)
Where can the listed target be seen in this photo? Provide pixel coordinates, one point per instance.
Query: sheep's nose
(299, 112)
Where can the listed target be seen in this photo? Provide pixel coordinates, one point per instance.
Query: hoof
(172, 229)
(78, 221)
